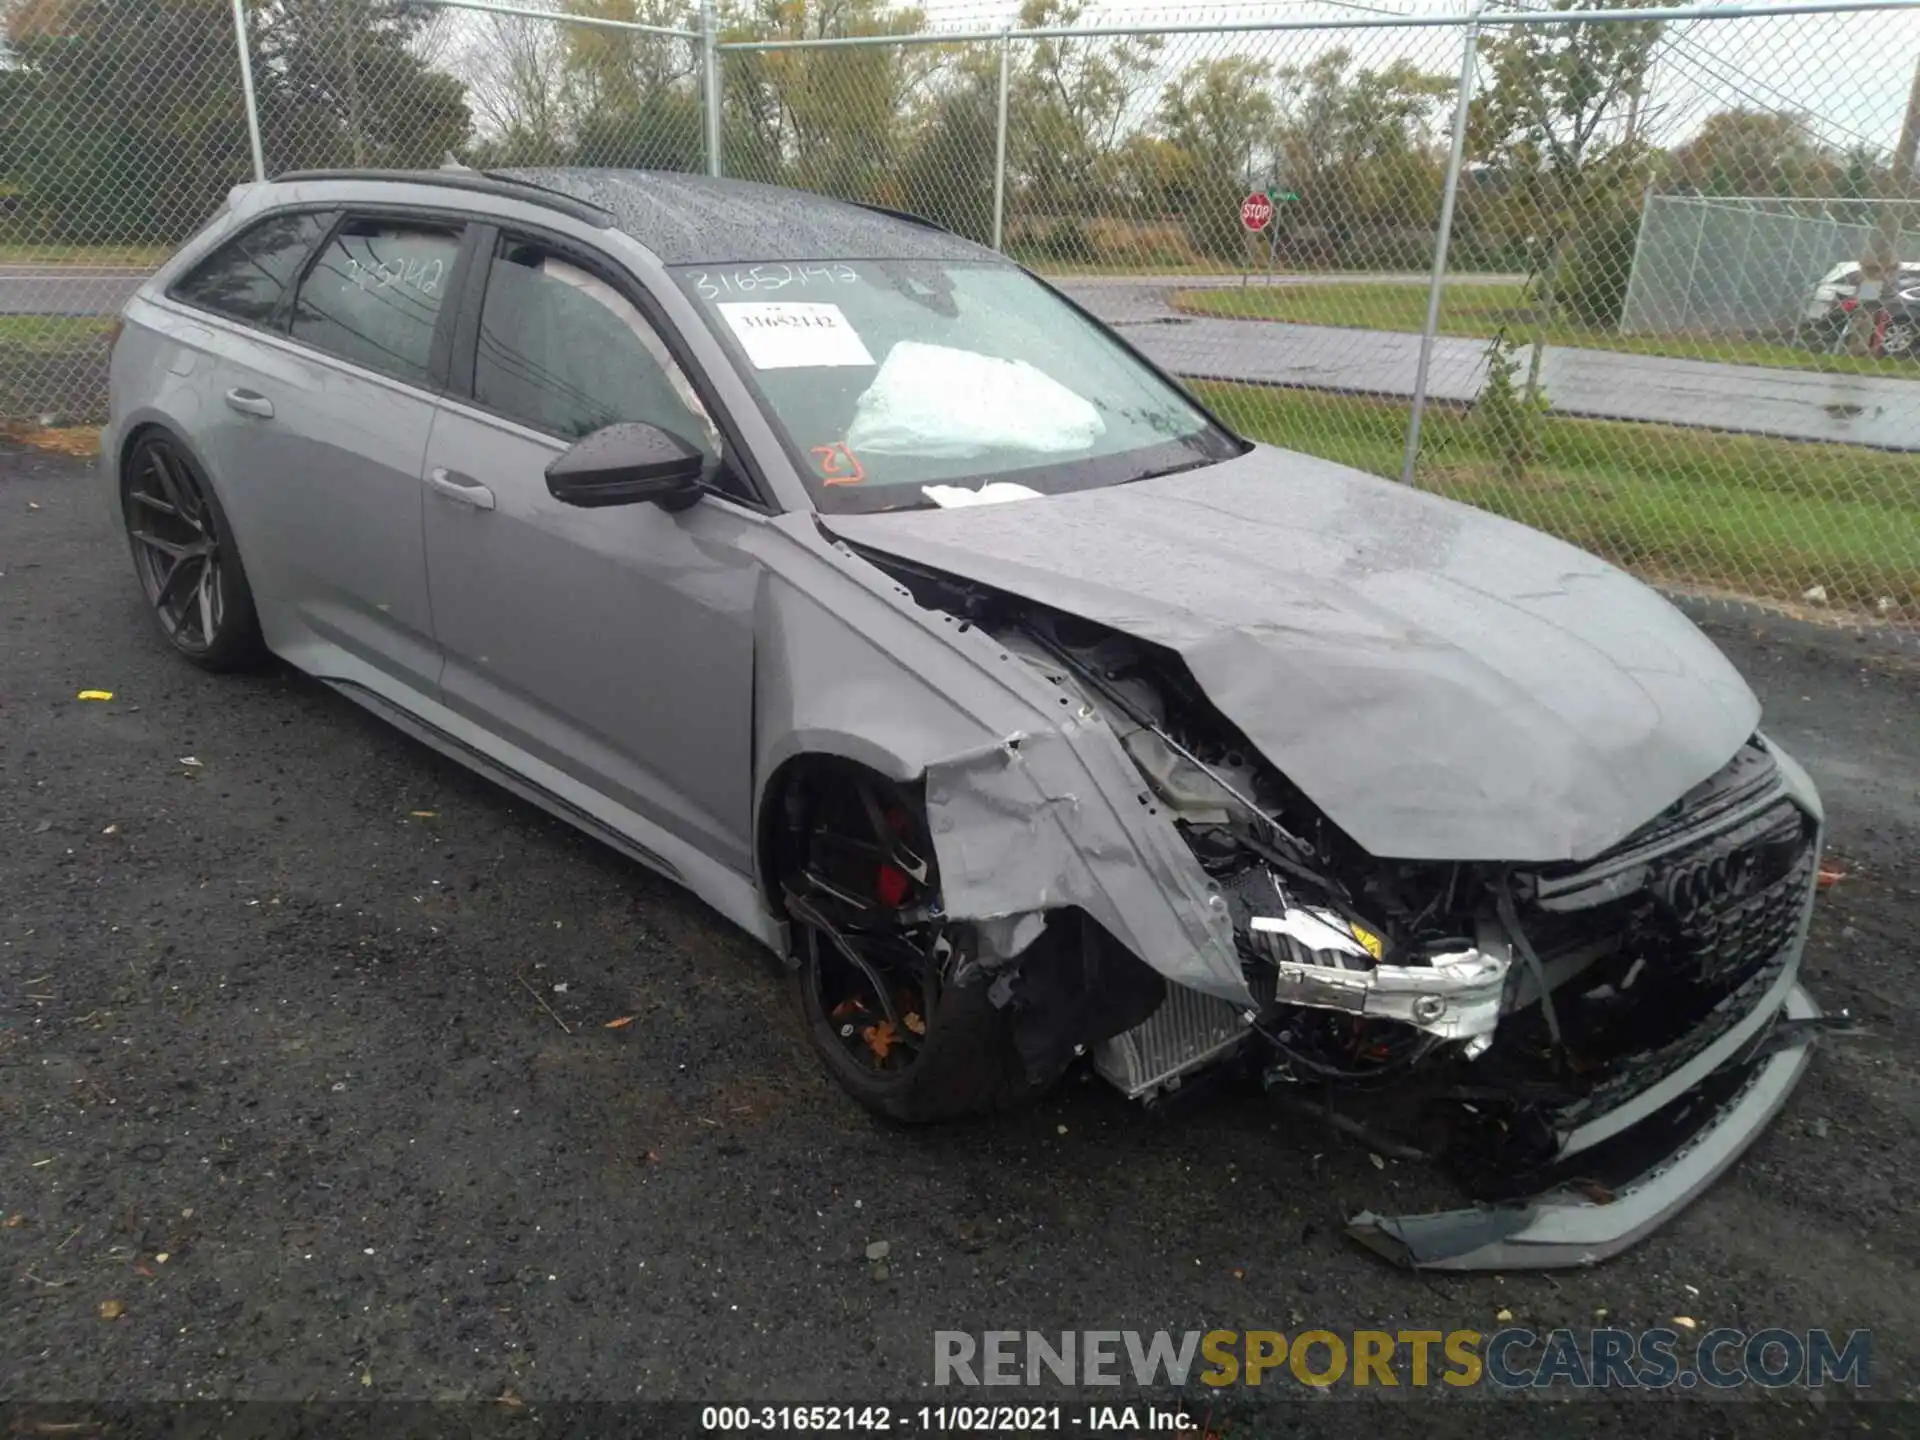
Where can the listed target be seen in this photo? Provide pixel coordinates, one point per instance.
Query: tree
(1551, 115)
(523, 95)
(1218, 115)
(833, 120)
(947, 172)
(343, 82)
(637, 95)
(1757, 152)
(1359, 148)
(123, 117)
(1071, 97)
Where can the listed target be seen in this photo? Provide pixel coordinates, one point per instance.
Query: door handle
(464, 488)
(250, 402)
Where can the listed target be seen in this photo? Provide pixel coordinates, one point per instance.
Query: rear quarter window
(251, 277)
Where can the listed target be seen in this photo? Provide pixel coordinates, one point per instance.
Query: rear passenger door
(615, 645)
(321, 426)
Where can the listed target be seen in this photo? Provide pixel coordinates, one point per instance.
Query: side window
(373, 296)
(564, 352)
(248, 278)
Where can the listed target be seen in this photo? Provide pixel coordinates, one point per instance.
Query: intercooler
(1188, 1031)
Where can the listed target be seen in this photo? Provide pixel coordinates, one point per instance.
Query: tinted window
(374, 295)
(564, 352)
(248, 277)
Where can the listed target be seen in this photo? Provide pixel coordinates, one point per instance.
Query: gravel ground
(305, 1065)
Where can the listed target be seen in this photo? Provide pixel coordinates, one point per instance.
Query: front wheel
(881, 976)
(184, 555)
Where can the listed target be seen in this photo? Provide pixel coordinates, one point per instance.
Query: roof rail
(471, 180)
(904, 216)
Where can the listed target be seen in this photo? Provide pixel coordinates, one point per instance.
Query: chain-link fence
(1489, 254)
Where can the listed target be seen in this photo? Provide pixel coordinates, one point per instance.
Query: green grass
(1767, 518)
(1480, 311)
(143, 256)
(50, 334)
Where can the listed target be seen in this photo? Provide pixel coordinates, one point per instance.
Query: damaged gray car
(837, 569)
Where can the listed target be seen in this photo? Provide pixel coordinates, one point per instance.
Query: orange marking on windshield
(838, 465)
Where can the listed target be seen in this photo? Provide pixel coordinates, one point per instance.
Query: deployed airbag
(942, 403)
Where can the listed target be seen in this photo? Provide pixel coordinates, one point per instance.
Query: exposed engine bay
(1529, 1027)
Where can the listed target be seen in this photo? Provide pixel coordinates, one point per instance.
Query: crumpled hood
(1444, 684)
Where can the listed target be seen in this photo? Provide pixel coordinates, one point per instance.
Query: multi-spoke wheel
(184, 554)
(882, 975)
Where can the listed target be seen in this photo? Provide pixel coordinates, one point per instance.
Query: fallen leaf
(914, 1023)
(880, 1038)
(190, 762)
(112, 1309)
(423, 814)
(14, 1222)
(111, 830)
(94, 695)
(142, 1270)
(1830, 876)
(1686, 1322)
(621, 1023)
(162, 1258)
(508, 1398)
(1239, 1274)
(80, 441)
(1503, 1315)
(366, 1377)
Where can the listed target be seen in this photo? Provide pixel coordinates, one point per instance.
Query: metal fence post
(1456, 160)
(1634, 273)
(1000, 151)
(710, 83)
(246, 87)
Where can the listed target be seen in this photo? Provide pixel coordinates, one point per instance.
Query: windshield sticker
(838, 465)
(795, 336)
(767, 279)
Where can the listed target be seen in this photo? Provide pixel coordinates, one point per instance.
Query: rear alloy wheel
(880, 972)
(1902, 338)
(184, 554)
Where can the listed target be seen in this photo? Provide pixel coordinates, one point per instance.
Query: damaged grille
(1736, 901)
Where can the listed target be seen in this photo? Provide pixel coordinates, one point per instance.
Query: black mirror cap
(632, 463)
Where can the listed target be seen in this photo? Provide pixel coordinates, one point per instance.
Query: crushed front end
(1582, 1047)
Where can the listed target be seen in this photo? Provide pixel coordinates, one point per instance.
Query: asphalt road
(1799, 404)
(274, 1079)
(65, 290)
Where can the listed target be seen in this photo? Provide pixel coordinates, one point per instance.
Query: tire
(840, 825)
(1902, 340)
(970, 1066)
(185, 558)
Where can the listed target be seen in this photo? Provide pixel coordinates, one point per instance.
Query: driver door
(615, 644)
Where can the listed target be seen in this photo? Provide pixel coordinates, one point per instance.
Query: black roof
(699, 220)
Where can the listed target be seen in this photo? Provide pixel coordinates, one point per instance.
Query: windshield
(899, 384)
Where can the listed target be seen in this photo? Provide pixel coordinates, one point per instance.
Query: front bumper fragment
(1568, 1227)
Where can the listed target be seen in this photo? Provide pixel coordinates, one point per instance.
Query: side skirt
(735, 896)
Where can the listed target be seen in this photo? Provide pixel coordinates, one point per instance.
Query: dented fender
(1033, 804)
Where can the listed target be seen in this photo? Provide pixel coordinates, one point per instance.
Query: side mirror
(628, 464)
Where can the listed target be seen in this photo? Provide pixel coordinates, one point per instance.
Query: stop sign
(1256, 211)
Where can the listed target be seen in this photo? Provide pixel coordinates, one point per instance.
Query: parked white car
(1839, 284)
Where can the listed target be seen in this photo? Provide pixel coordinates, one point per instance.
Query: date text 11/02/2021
(950, 1419)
